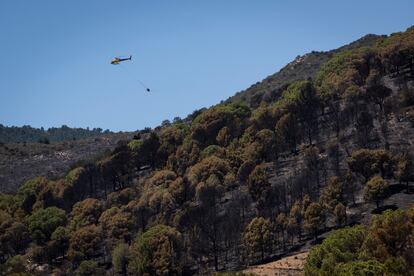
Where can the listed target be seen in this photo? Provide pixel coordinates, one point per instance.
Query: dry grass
(291, 265)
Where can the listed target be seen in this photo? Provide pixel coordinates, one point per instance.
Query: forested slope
(238, 184)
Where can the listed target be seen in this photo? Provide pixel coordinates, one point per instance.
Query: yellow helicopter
(117, 60)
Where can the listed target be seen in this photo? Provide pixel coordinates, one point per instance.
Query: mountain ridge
(308, 65)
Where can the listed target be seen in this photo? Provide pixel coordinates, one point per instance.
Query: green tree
(343, 70)
(340, 214)
(361, 268)
(209, 194)
(85, 212)
(384, 248)
(307, 105)
(287, 131)
(364, 126)
(117, 223)
(350, 186)
(16, 265)
(212, 150)
(29, 191)
(292, 229)
(396, 51)
(280, 226)
(224, 137)
(314, 218)
(206, 126)
(376, 190)
(267, 144)
(378, 93)
(85, 243)
(396, 266)
(353, 96)
(389, 235)
(145, 153)
(306, 201)
(170, 138)
(296, 214)
(43, 222)
(162, 178)
(334, 154)
(263, 117)
(59, 242)
(89, 268)
(185, 156)
(404, 170)
(313, 165)
(156, 252)
(201, 171)
(332, 194)
(14, 236)
(368, 162)
(257, 236)
(342, 246)
(244, 170)
(120, 258)
(72, 188)
(258, 182)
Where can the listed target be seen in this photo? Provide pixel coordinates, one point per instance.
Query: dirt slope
(292, 265)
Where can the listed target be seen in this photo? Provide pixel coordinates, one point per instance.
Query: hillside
(245, 182)
(20, 162)
(302, 68)
(28, 134)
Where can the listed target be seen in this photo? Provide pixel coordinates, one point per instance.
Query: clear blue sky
(54, 55)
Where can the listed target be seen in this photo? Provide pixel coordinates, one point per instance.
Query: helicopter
(117, 60)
